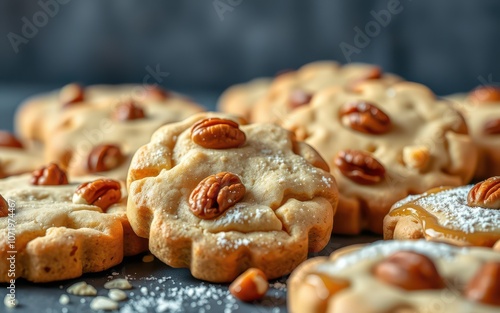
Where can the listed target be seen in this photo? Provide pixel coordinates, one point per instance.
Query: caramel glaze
(434, 231)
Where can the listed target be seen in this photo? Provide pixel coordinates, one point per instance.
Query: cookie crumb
(119, 283)
(148, 258)
(117, 295)
(103, 303)
(10, 301)
(82, 289)
(64, 299)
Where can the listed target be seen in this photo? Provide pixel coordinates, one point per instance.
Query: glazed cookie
(56, 230)
(481, 109)
(294, 89)
(101, 134)
(383, 144)
(219, 197)
(240, 99)
(16, 157)
(398, 276)
(465, 215)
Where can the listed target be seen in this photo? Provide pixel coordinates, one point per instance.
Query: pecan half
(215, 194)
(485, 94)
(409, 270)
(104, 158)
(484, 287)
(4, 207)
(217, 133)
(364, 117)
(299, 97)
(485, 194)
(360, 167)
(50, 175)
(492, 127)
(71, 94)
(102, 192)
(127, 111)
(8, 140)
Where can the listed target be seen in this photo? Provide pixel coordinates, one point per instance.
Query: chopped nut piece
(104, 158)
(119, 283)
(117, 295)
(82, 289)
(4, 207)
(103, 303)
(148, 258)
(484, 287)
(250, 286)
(416, 156)
(127, 111)
(485, 94)
(8, 140)
(70, 94)
(299, 98)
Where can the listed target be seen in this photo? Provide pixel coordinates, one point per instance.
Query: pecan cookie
(241, 98)
(466, 215)
(17, 157)
(219, 197)
(481, 109)
(294, 89)
(398, 276)
(383, 144)
(100, 130)
(60, 229)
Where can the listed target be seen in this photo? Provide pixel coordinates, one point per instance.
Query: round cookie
(100, 134)
(295, 88)
(398, 276)
(241, 98)
(220, 197)
(464, 215)
(383, 144)
(16, 157)
(56, 235)
(481, 110)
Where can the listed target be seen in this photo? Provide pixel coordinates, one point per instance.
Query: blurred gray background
(202, 47)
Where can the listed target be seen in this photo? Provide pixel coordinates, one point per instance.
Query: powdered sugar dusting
(228, 244)
(452, 204)
(385, 248)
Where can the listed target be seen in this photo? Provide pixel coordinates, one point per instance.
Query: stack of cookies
(255, 187)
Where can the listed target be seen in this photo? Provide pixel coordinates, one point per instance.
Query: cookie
(294, 89)
(219, 197)
(383, 144)
(481, 110)
(398, 276)
(16, 157)
(100, 134)
(466, 215)
(55, 230)
(241, 98)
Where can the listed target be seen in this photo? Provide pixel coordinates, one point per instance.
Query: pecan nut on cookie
(295, 89)
(382, 144)
(219, 197)
(466, 216)
(398, 276)
(78, 129)
(16, 157)
(481, 110)
(62, 229)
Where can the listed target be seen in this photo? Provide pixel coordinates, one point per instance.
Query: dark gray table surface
(157, 287)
